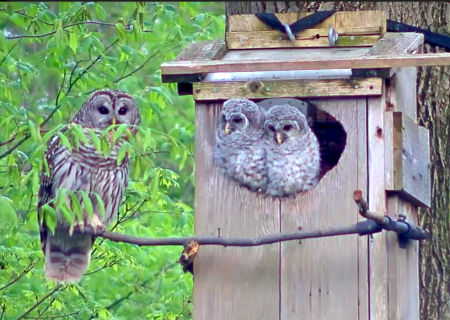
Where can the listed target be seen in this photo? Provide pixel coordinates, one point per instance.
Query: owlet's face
(108, 107)
(283, 124)
(239, 116)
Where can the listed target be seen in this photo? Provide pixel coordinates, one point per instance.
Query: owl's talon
(95, 225)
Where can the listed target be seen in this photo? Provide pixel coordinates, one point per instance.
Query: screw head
(241, 40)
(352, 38)
(267, 89)
(279, 38)
(214, 90)
(356, 86)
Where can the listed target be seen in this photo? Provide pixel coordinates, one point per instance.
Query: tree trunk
(434, 113)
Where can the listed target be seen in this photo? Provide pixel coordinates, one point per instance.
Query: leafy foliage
(52, 56)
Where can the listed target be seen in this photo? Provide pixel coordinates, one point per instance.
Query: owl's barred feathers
(273, 152)
(239, 153)
(294, 165)
(85, 169)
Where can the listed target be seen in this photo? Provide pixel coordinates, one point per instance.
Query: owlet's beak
(227, 128)
(113, 122)
(279, 138)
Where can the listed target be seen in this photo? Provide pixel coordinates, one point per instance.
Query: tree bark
(433, 87)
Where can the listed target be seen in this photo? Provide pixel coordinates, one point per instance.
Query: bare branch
(48, 295)
(361, 227)
(24, 272)
(128, 27)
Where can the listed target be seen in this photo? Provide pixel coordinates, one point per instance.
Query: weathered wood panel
(377, 202)
(362, 62)
(403, 266)
(320, 273)
(407, 160)
(266, 89)
(231, 283)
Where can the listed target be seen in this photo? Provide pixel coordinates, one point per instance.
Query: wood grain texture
(399, 43)
(286, 88)
(249, 22)
(362, 62)
(409, 164)
(231, 283)
(323, 279)
(363, 242)
(403, 266)
(276, 39)
(377, 202)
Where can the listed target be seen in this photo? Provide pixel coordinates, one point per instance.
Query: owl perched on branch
(293, 152)
(238, 150)
(84, 169)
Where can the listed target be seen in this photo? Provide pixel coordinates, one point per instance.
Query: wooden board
(408, 161)
(403, 266)
(276, 39)
(350, 19)
(394, 43)
(363, 62)
(231, 283)
(326, 278)
(198, 51)
(286, 88)
(377, 202)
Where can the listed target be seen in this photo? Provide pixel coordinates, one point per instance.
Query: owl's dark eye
(271, 128)
(103, 110)
(237, 120)
(287, 127)
(123, 111)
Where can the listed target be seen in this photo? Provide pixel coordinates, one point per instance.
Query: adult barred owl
(238, 150)
(67, 255)
(293, 152)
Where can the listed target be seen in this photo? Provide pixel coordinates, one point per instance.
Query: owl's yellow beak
(227, 128)
(113, 122)
(279, 138)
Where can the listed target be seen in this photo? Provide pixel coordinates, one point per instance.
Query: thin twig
(48, 295)
(128, 27)
(55, 317)
(20, 276)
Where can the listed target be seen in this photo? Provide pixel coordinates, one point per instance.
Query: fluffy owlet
(238, 150)
(67, 255)
(293, 153)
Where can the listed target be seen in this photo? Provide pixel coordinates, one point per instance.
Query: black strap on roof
(302, 24)
(429, 37)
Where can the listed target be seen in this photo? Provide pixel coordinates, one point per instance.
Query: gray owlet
(238, 150)
(293, 152)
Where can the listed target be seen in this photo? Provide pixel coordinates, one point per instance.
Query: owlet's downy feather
(237, 149)
(67, 255)
(293, 152)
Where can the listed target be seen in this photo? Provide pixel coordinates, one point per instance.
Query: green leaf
(64, 141)
(7, 212)
(49, 215)
(101, 14)
(95, 141)
(76, 206)
(36, 137)
(121, 33)
(3, 43)
(87, 204)
(74, 39)
(61, 198)
(101, 205)
(80, 133)
(137, 31)
(67, 214)
(122, 153)
(118, 132)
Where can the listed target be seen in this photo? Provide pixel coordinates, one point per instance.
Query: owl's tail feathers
(67, 257)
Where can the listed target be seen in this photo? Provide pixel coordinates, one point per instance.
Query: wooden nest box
(360, 98)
